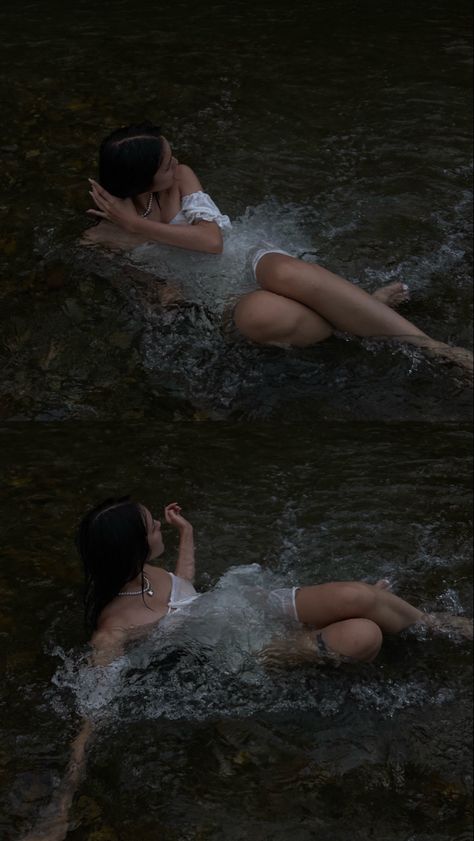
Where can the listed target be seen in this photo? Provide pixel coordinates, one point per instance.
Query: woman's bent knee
(253, 317)
(359, 639)
(367, 639)
(267, 318)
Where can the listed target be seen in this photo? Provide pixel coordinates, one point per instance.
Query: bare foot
(383, 584)
(444, 354)
(447, 354)
(447, 624)
(393, 294)
(459, 355)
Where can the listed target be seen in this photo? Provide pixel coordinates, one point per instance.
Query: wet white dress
(281, 601)
(199, 207)
(182, 593)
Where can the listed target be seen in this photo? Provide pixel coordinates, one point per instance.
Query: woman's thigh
(270, 319)
(322, 604)
(360, 639)
(346, 306)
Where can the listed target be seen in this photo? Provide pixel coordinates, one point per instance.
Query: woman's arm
(185, 565)
(54, 824)
(200, 236)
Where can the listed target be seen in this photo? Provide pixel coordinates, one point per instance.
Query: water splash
(215, 281)
(203, 663)
(191, 351)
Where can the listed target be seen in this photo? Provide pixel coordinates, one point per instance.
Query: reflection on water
(193, 712)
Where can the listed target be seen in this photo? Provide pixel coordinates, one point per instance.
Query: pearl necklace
(148, 208)
(146, 589)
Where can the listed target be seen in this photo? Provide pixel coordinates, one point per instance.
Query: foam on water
(193, 682)
(214, 281)
(202, 663)
(193, 352)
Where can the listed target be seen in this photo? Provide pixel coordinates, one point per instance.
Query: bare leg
(342, 304)
(349, 618)
(271, 319)
(359, 639)
(345, 306)
(322, 604)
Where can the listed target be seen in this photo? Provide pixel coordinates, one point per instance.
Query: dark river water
(342, 132)
(211, 745)
(339, 131)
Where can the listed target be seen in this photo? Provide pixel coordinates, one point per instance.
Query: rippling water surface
(342, 132)
(197, 737)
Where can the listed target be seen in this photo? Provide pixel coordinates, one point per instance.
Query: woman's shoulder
(120, 614)
(121, 618)
(187, 180)
(157, 574)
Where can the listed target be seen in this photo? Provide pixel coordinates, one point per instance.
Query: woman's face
(165, 173)
(154, 536)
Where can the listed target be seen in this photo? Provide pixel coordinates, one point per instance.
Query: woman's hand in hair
(120, 212)
(174, 517)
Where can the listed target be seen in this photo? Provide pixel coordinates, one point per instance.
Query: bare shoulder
(187, 180)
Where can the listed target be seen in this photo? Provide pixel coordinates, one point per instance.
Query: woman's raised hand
(174, 517)
(185, 564)
(120, 212)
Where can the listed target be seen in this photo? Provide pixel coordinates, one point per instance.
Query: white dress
(199, 207)
(182, 593)
(281, 601)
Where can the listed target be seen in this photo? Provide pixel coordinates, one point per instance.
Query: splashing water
(215, 281)
(202, 663)
(190, 349)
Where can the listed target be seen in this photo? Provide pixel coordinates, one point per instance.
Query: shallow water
(341, 131)
(199, 740)
(343, 134)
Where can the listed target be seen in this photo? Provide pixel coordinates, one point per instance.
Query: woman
(145, 195)
(126, 593)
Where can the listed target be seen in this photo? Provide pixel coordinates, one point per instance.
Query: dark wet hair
(129, 158)
(113, 545)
